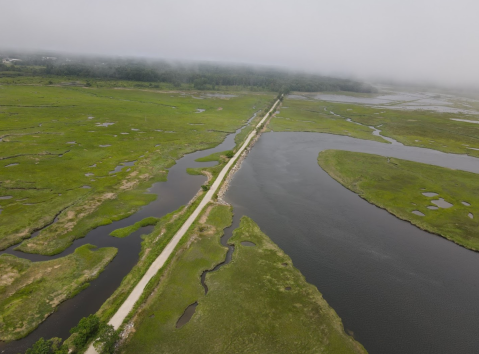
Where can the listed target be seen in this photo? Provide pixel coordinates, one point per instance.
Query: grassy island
(436, 199)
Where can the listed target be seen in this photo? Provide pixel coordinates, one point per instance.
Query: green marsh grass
(38, 123)
(248, 307)
(397, 186)
(421, 128)
(315, 116)
(128, 230)
(29, 292)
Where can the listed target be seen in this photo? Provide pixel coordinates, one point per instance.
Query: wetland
(361, 116)
(380, 274)
(173, 193)
(396, 184)
(253, 282)
(398, 288)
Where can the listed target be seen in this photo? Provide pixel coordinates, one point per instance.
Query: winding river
(398, 289)
(172, 194)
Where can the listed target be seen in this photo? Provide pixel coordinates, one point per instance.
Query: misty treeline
(202, 76)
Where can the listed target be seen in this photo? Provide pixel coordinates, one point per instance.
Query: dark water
(227, 234)
(397, 288)
(177, 191)
(186, 317)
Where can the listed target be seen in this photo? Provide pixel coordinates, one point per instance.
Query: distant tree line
(203, 76)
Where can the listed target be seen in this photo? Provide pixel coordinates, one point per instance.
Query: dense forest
(203, 76)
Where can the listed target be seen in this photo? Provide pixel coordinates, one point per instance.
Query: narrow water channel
(227, 234)
(397, 288)
(375, 131)
(178, 190)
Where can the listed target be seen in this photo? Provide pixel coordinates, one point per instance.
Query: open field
(16, 78)
(259, 303)
(399, 186)
(409, 123)
(13, 78)
(314, 116)
(29, 292)
(60, 153)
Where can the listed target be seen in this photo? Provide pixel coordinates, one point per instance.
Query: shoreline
(226, 183)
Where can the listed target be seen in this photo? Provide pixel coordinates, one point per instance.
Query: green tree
(200, 84)
(86, 329)
(105, 344)
(51, 346)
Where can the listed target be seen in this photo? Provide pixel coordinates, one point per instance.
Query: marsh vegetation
(399, 186)
(30, 291)
(259, 301)
(113, 133)
(98, 179)
(421, 125)
(38, 121)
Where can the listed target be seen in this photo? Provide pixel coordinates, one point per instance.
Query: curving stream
(178, 190)
(375, 131)
(397, 289)
(227, 234)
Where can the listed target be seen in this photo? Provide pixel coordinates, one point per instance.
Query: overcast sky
(435, 40)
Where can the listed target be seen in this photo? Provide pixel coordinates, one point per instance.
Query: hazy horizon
(421, 41)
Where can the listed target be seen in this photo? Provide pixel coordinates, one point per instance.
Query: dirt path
(127, 306)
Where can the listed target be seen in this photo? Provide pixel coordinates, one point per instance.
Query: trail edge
(118, 318)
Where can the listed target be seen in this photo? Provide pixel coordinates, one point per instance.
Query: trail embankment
(135, 295)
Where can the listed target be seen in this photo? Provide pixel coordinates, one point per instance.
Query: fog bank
(421, 40)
